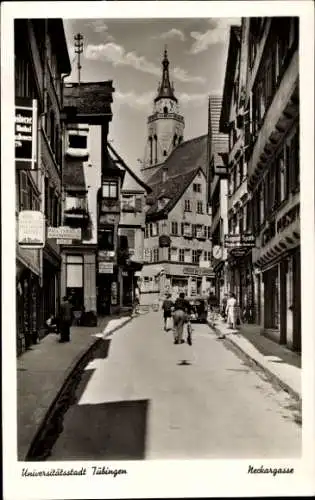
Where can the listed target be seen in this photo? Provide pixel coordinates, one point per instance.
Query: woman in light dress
(231, 310)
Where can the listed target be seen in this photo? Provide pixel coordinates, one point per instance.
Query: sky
(130, 51)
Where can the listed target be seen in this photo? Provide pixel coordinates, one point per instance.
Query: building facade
(87, 113)
(272, 93)
(165, 125)
(217, 193)
(234, 121)
(178, 214)
(41, 62)
(260, 112)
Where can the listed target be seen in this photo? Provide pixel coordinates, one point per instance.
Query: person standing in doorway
(181, 309)
(66, 316)
(231, 310)
(167, 309)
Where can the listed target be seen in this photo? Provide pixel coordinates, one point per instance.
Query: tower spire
(166, 90)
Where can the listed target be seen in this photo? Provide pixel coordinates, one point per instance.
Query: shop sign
(164, 241)
(124, 273)
(31, 229)
(64, 232)
(239, 240)
(64, 242)
(196, 271)
(217, 252)
(106, 255)
(25, 133)
(106, 267)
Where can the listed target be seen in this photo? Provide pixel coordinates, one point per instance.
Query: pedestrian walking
(136, 301)
(223, 307)
(231, 310)
(66, 317)
(167, 307)
(180, 315)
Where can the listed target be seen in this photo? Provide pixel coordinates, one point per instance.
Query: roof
(73, 175)
(91, 100)
(181, 166)
(234, 46)
(128, 169)
(165, 89)
(58, 38)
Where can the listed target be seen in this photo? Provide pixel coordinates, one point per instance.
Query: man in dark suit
(65, 320)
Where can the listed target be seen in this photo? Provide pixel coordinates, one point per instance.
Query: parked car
(198, 309)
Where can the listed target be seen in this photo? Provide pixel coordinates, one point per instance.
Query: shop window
(74, 278)
(181, 255)
(110, 189)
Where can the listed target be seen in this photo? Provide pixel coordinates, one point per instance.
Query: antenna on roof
(78, 50)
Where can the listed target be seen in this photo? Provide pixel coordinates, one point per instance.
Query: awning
(151, 271)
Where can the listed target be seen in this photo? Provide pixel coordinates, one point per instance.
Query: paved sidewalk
(281, 363)
(42, 371)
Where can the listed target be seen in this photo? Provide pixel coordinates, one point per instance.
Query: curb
(51, 424)
(286, 387)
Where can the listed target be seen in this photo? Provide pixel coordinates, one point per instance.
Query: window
(241, 221)
(181, 255)
(197, 188)
(174, 228)
(187, 206)
(110, 189)
(155, 255)
(187, 229)
(174, 254)
(209, 232)
(295, 162)
(241, 168)
(195, 256)
(74, 271)
(261, 203)
(207, 255)
(187, 255)
(138, 204)
(24, 191)
(199, 231)
(106, 238)
(77, 141)
(128, 203)
(194, 230)
(154, 229)
(75, 202)
(199, 207)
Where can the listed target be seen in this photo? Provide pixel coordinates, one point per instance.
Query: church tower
(165, 125)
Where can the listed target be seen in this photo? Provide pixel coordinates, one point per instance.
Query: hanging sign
(106, 267)
(64, 233)
(25, 133)
(164, 241)
(239, 240)
(31, 229)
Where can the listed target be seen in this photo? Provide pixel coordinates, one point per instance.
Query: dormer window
(78, 141)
